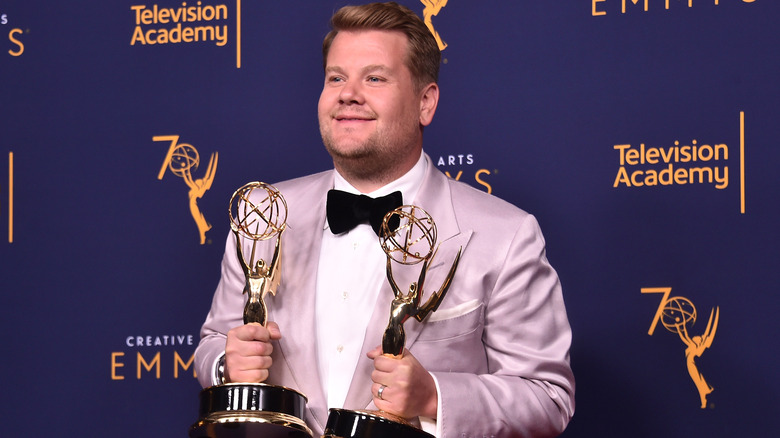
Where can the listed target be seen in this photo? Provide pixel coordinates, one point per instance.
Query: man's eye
(374, 79)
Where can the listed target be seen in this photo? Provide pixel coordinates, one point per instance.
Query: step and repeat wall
(643, 134)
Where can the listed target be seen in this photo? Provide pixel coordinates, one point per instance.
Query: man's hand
(409, 390)
(248, 352)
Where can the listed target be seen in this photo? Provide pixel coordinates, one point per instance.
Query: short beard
(376, 160)
(372, 162)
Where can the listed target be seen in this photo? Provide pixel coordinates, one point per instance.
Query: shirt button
(340, 348)
(344, 295)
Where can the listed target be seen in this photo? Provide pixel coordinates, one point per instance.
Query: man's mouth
(353, 118)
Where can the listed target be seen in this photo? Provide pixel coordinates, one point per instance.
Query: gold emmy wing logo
(182, 159)
(432, 8)
(676, 314)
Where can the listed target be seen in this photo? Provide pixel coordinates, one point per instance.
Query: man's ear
(429, 99)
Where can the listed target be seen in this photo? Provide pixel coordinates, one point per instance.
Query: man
(493, 360)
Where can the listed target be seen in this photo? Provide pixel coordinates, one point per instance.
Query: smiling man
(371, 110)
(493, 360)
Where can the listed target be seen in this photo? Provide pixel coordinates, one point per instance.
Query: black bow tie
(345, 210)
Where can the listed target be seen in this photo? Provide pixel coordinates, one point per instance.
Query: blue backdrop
(642, 134)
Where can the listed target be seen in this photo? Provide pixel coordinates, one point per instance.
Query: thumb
(376, 352)
(273, 330)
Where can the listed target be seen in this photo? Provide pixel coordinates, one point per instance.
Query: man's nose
(351, 93)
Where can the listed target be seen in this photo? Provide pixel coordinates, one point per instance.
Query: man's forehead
(365, 40)
(387, 36)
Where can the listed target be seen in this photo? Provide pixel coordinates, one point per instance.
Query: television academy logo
(181, 160)
(185, 23)
(680, 163)
(677, 315)
(694, 163)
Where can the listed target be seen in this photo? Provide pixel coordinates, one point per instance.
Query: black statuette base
(362, 424)
(239, 410)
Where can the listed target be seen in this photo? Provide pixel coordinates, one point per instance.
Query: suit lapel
(435, 197)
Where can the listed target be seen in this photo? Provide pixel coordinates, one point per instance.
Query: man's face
(369, 110)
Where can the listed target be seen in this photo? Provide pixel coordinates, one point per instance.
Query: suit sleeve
(226, 312)
(528, 389)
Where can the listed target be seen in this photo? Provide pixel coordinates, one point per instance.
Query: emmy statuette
(240, 410)
(408, 236)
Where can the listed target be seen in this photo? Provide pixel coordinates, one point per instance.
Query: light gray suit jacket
(498, 345)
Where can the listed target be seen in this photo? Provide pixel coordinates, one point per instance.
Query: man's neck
(407, 183)
(368, 181)
(370, 184)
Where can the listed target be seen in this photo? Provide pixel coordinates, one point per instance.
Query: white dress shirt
(350, 274)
